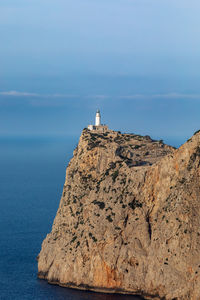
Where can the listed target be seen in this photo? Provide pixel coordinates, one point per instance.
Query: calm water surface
(32, 172)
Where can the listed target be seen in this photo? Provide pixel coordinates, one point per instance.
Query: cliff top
(133, 149)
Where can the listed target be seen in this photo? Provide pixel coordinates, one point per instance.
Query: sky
(138, 61)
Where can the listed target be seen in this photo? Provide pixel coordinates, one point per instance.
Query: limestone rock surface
(129, 219)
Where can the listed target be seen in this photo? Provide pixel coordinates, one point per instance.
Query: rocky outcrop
(129, 219)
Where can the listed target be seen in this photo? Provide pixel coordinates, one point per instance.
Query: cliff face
(129, 219)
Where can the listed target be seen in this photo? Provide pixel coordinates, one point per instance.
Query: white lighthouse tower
(98, 118)
(98, 127)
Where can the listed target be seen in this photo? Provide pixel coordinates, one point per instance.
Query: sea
(32, 173)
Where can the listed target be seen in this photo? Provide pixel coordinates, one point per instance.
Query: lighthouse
(98, 118)
(98, 127)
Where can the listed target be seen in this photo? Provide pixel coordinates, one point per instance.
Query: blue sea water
(32, 173)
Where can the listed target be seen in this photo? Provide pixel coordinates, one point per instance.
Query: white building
(98, 118)
(98, 126)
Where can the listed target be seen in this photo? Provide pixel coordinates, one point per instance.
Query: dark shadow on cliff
(62, 293)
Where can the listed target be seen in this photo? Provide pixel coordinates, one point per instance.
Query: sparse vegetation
(117, 228)
(92, 237)
(197, 131)
(101, 204)
(134, 203)
(78, 244)
(107, 172)
(109, 218)
(112, 165)
(114, 175)
(73, 239)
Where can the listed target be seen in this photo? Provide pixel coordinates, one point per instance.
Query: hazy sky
(136, 60)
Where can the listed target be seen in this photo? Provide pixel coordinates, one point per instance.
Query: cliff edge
(129, 219)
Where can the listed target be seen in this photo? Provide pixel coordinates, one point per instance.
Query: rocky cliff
(129, 219)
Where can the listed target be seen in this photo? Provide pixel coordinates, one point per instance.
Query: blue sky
(136, 60)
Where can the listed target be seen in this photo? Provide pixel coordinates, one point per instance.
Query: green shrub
(92, 237)
(93, 137)
(109, 218)
(78, 244)
(73, 240)
(117, 228)
(114, 175)
(134, 203)
(107, 172)
(196, 132)
(101, 204)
